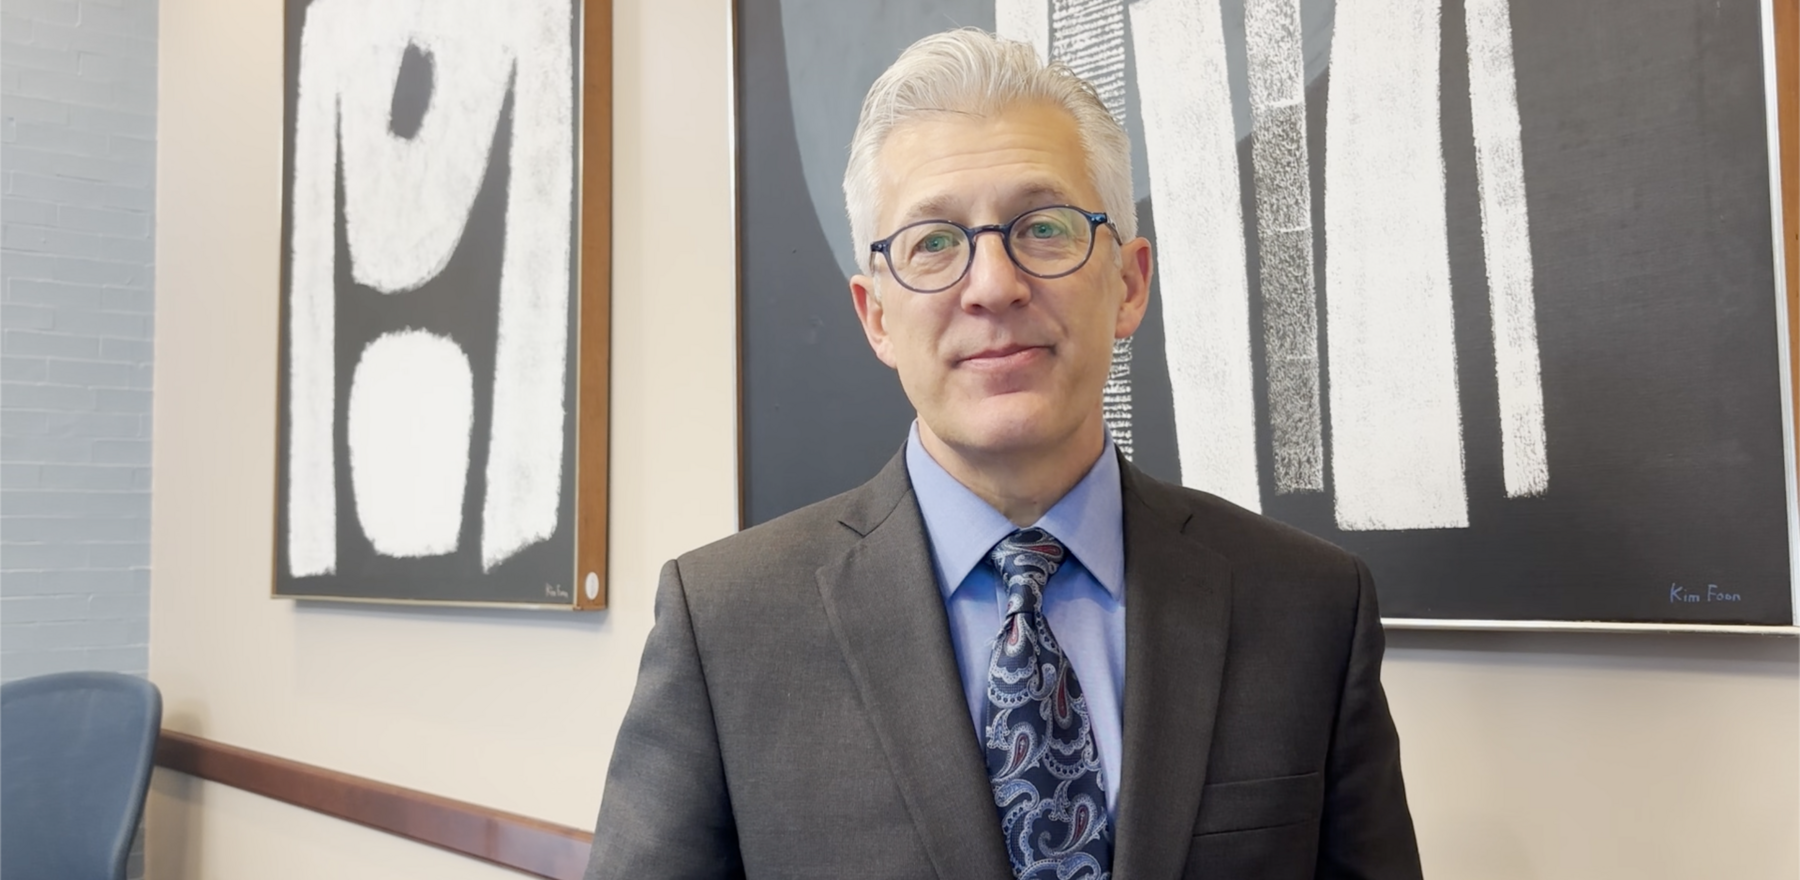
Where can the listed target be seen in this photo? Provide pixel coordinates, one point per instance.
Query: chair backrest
(75, 756)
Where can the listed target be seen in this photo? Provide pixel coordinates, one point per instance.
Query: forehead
(982, 168)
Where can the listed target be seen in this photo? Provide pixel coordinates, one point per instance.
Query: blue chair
(75, 756)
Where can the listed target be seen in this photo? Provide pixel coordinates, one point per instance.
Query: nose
(995, 282)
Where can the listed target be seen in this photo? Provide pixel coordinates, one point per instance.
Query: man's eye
(1043, 229)
(935, 243)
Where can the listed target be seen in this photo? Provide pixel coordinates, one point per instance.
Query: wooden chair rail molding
(533, 846)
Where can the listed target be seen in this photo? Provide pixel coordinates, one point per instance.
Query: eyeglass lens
(1045, 242)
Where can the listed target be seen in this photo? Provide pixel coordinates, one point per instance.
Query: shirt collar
(963, 528)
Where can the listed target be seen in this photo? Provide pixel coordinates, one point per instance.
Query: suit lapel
(888, 615)
(1177, 617)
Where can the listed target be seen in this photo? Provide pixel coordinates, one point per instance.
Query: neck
(1022, 484)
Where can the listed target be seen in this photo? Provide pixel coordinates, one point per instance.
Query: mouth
(1004, 356)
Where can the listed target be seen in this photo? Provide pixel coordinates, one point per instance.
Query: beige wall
(1563, 756)
(513, 710)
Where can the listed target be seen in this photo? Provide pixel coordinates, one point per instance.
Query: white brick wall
(78, 158)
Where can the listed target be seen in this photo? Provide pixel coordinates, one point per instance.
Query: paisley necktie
(1041, 755)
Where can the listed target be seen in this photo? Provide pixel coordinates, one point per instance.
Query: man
(1010, 654)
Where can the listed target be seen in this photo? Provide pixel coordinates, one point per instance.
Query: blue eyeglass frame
(1095, 220)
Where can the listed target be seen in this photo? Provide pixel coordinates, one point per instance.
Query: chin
(1007, 425)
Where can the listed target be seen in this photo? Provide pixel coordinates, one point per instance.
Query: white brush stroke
(407, 201)
(1192, 145)
(1027, 21)
(1277, 74)
(1506, 234)
(526, 436)
(1396, 423)
(1115, 399)
(312, 268)
(1089, 36)
(412, 402)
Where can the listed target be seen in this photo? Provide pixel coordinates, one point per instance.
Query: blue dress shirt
(1084, 601)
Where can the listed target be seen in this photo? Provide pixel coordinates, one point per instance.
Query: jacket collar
(1176, 629)
(885, 609)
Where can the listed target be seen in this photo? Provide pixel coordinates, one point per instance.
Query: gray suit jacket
(799, 713)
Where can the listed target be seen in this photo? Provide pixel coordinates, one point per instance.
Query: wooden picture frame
(1654, 488)
(445, 322)
(1785, 15)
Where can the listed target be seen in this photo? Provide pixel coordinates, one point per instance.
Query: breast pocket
(1266, 829)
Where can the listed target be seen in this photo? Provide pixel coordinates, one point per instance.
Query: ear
(1135, 267)
(873, 315)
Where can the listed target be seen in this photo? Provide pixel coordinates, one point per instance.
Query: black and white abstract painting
(427, 319)
(1482, 290)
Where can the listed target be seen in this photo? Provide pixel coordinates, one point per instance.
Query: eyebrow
(1031, 195)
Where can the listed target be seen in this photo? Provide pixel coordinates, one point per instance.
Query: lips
(1004, 355)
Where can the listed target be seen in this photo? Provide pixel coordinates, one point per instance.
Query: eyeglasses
(933, 255)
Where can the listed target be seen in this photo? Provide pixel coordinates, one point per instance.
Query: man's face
(1001, 362)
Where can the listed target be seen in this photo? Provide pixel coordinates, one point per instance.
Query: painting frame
(573, 577)
(1779, 39)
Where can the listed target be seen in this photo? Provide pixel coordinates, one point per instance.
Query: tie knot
(1026, 559)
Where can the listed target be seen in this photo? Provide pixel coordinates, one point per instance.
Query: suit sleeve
(665, 812)
(1367, 830)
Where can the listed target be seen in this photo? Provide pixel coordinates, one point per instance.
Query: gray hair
(971, 71)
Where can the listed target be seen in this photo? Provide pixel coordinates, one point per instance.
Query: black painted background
(1646, 168)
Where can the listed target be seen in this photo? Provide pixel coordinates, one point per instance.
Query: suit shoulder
(796, 542)
(1247, 538)
(1285, 580)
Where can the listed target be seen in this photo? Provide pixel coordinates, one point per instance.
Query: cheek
(1089, 327)
(910, 355)
(913, 331)
(1096, 355)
